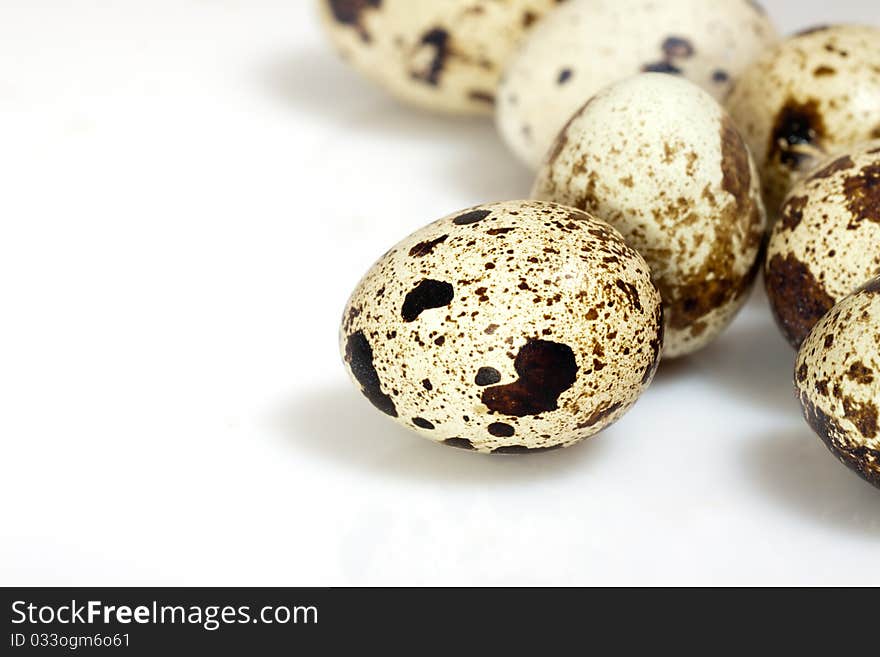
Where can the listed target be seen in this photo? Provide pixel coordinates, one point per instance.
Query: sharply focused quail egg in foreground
(827, 240)
(443, 55)
(509, 327)
(587, 44)
(660, 160)
(838, 380)
(806, 99)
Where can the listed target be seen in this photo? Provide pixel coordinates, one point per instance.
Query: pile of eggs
(681, 148)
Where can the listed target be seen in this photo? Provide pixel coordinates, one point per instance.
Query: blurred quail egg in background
(587, 44)
(441, 55)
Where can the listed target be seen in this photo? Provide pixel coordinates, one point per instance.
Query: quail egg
(587, 44)
(827, 240)
(838, 380)
(659, 159)
(510, 327)
(806, 99)
(440, 55)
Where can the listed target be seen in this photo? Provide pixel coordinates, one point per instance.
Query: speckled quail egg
(442, 55)
(659, 159)
(806, 99)
(510, 327)
(587, 44)
(838, 380)
(827, 240)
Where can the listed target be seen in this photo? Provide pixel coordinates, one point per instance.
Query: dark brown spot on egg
(426, 295)
(487, 376)
(824, 71)
(720, 76)
(673, 47)
(632, 294)
(863, 461)
(546, 370)
(522, 449)
(661, 67)
(471, 217)
(436, 41)
(677, 47)
(863, 415)
(564, 76)
(691, 301)
(840, 164)
(424, 248)
(460, 443)
(797, 134)
(797, 299)
(793, 212)
(501, 430)
(422, 423)
(359, 356)
(351, 13)
(427, 385)
(860, 373)
(862, 194)
(348, 319)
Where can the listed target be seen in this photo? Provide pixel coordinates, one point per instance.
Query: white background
(189, 190)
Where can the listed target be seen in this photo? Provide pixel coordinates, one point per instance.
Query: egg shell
(826, 242)
(838, 380)
(510, 327)
(806, 99)
(660, 160)
(588, 44)
(444, 55)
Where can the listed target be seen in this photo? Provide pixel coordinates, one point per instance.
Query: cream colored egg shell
(510, 327)
(838, 380)
(444, 55)
(659, 159)
(589, 44)
(827, 240)
(806, 99)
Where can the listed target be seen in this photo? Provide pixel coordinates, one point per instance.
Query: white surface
(190, 190)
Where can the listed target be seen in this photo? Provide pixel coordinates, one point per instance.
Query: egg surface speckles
(807, 98)
(588, 44)
(510, 327)
(659, 159)
(838, 380)
(442, 55)
(827, 240)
